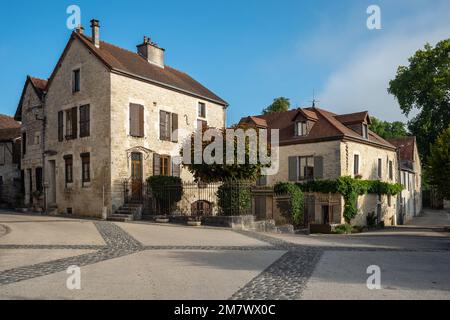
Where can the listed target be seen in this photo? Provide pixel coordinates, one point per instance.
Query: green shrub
(235, 198)
(296, 200)
(343, 229)
(167, 191)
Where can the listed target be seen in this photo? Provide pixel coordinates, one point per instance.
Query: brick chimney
(95, 27)
(151, 52)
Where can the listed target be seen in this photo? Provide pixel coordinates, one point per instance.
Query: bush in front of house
(235, 198)
(166, 190)
(296, 203)
(343, 229)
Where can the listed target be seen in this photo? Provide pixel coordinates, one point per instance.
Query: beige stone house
(30, 114)
(10, 177)
(410, 176)
(114, 117)
(316, 144)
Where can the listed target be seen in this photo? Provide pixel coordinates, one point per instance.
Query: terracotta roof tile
(327, 126)
(9, 128)
(406, 146)
(133, 64)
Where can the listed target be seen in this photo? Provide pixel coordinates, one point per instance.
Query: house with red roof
(410, 176)
(106, 119)
(316, 144)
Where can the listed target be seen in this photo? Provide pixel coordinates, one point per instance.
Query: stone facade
(154, 99)
(410, 203)
(109, 144)
(33, 129)
(338, 160)
(10, 182)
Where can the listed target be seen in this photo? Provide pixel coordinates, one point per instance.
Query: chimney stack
(80, 29)
(151, 52)
(95, 27)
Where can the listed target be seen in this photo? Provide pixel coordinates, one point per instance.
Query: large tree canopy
(280, 104)
(388, 130)
(424, 85)
(439, 164)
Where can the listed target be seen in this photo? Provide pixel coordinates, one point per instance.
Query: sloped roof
(39, 86)
(327, 127)
(9, 128)
(356, 117)
(406, 147)
(133, 65)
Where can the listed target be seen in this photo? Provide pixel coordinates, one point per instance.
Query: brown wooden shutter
(174, 127)
(74, 122)
(60, 126)
(156, 164)
(293, 169)
(318, 167)
(162, 125)
(134, 120)
(141, 120)
(176, 168)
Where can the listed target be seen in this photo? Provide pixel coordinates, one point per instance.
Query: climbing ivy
(296, 202)
(350, 189)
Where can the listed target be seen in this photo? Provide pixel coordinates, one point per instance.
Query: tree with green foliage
(280, 104)
(424, 85)
(217, 172)
(439, 164)
(388, 130)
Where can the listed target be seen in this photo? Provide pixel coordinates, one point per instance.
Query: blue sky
(248, 51)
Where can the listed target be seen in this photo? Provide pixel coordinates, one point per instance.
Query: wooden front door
(136, 176)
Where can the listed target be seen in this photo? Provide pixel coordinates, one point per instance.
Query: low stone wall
(234, 222)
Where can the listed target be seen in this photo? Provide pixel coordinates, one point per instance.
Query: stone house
(30, 114)
(112, 118)
(10, 177)
(410, 176)
(316, 144)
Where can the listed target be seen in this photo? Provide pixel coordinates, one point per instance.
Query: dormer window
(365, 131)
(301, 128)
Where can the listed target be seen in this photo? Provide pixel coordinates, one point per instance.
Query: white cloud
(361, 82)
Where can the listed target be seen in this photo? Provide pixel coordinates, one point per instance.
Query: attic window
(76, 81)
(301, 128)
(365, 131)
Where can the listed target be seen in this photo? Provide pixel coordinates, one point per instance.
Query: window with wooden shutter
(136, 120)
(165, 164)
(174, 127)
(164, 125)
(84, 121)
(318, 167)
(74, 122)
(176, 169)
(69, 124)
(156, 165)
(293, 176)
(60, 126)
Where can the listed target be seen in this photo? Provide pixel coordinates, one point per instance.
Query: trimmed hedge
(166, 190)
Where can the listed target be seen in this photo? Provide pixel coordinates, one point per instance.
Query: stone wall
(10, 176)
(328, 150)
(32, 159)
(368, 159)
(95, 91)
(154, 98)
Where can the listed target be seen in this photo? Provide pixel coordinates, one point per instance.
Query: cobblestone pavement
(285, 278)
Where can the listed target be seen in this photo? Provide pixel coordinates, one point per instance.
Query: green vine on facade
(351, 189)
(296, 199)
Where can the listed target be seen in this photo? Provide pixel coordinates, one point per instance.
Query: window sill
(86, 185)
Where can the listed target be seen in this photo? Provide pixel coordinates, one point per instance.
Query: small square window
(201, 110)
